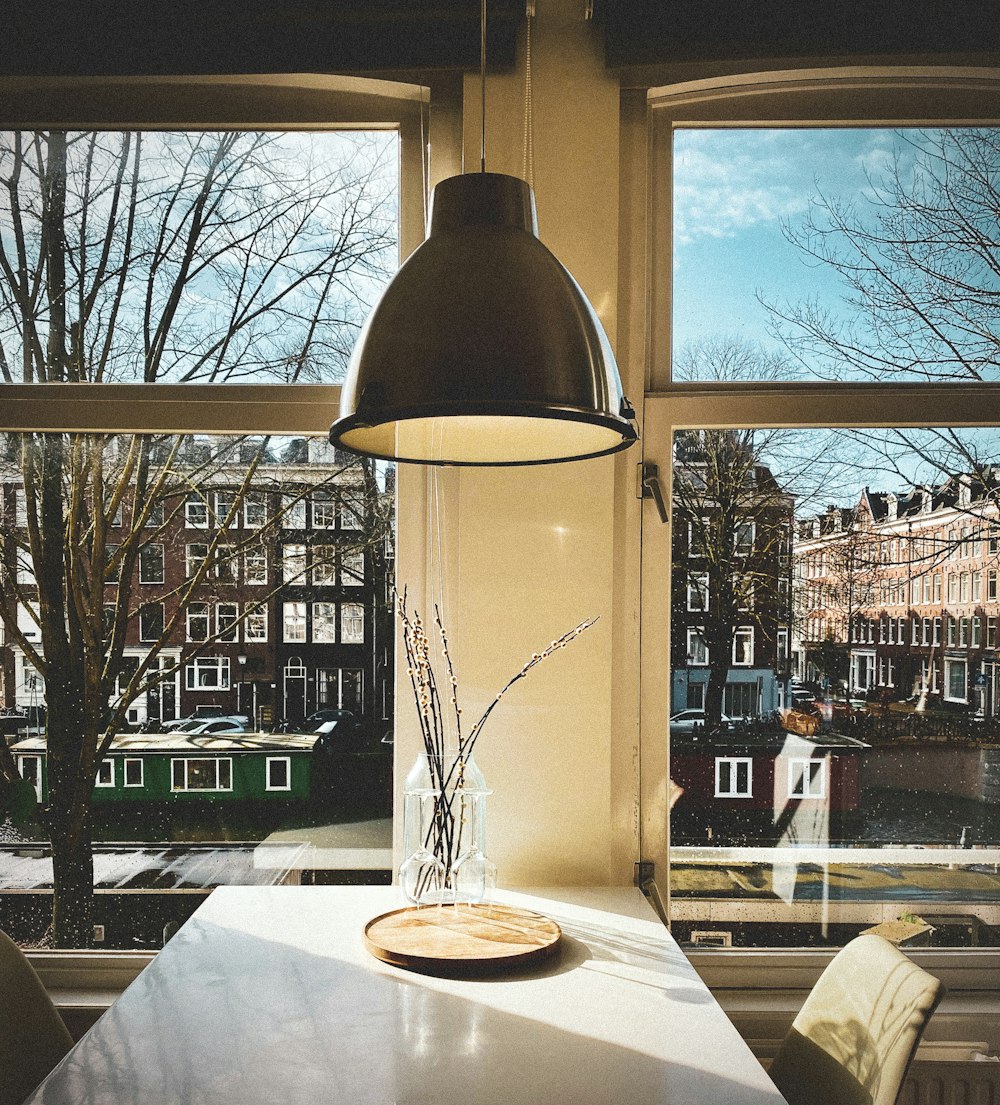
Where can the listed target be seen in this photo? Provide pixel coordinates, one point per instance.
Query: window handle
(649, 488)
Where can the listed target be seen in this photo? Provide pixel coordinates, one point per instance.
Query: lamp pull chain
(528, 160)
(482, 86)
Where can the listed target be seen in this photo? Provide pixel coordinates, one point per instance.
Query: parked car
(201, 713)
(683, 723)
(234, 724)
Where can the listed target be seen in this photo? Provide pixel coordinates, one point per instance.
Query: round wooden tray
(461, 939)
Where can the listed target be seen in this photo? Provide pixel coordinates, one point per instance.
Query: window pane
(851, 711)
(199, 646)
(835, 253)
(247, 296)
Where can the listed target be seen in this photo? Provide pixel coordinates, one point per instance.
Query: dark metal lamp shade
(483, 350)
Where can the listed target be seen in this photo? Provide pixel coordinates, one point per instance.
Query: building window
(339, 688)
(744, 538)
(151, 564)
(279, 773)
(207, 673)
(105, 773)
(293, 563)
(201, 774)
(324, 510)
(991, 585)
(697, 649)
(781, 649)
(351, 510)
(956, 680)
(806, 778)
(293, 512)
(194, 557)
(133, 771)
(697, 592)
(197, 621)
(952, 587)
(227, 621)
(977, 586)
(352, 623)
(255, 569)
(352, 568)
(324, 565)
(963, 590)
(743, 647)
(255, 625)
(225, 504)
(254, 510)
(294, 621)
(196, 513)
(324, 622)
(977, 632)
(733, 777)
(151, 621)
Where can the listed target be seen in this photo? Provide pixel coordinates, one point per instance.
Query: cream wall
(528, 553)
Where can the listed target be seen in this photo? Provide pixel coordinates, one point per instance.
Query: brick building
(906, 587)
(291, 613)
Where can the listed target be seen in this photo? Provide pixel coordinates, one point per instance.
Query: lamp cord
(482, 86)
(528, 160)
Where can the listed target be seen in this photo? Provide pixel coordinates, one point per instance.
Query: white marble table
(267, 995)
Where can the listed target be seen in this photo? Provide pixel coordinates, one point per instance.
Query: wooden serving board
(461, 939)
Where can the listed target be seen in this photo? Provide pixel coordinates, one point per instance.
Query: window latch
(649, 488)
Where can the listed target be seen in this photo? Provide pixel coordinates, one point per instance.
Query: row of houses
(261, 589)
(893, 597)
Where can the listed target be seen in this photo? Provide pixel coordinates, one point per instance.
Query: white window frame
(143, 636)
(325, 617)
(254, 509)
(734, 763)
(146, 548)
(131, 761)
(696, 633)
(293, 564)
(293, 622)
(324, 565)
(324, 505)
(697, 590)
(255, 626)
(195, 613)
(218, 664)
(232, 634)
(744, 632)
(255, 569)
(105, 778)
(820, 97)
(196, 512)
(218, 761)
(351, 612)
(800, 770)
(287, 761)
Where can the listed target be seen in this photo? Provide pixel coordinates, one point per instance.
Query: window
(194, 557)
(744, 539)
(294, 621)
(324, 509)
(352, 515)
(956, 680)
(293, 512)
(991, 585)
(743, 647)
(207, 673)
(977, 586)
(225, 505)
(151, 621)
(201, 774)
(352, 623)
(352, 568)
(697, 592)
(197, 617)
(806, 778)
(255, 625)
(977, 632)
(254, 510)
(293, 563)
(964, 587)
(133, 773)
(151, 564)
(697, 649)
(105, 773)
(255, 569)
(324, 622)
(324, 565)
(227, 621)
(279, 773)
(340, 688)
(196, 513)
(733, 777)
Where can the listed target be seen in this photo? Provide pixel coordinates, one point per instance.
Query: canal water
(908, 817)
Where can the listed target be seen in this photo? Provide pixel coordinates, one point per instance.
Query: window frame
(850, 96)
(128, 760)
(217, 761)
(734, 763)
(99, 779)
(287, 761)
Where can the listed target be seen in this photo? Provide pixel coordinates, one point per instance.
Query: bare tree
(152, 257)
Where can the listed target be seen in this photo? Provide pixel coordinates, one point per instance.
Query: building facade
(265, 596)
(903, 590)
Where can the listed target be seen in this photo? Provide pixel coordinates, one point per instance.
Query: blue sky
(733, 191)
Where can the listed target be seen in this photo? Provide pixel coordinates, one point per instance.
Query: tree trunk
(73, 884)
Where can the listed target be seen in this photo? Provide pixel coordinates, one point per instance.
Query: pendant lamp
(483, 350)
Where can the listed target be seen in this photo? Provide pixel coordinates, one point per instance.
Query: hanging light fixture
(483, 350)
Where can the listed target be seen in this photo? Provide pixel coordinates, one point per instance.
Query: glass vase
(444, 831)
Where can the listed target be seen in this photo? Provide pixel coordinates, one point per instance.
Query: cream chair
(855, 1035)
(33, 1038)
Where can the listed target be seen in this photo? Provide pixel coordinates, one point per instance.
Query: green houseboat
(176, 766)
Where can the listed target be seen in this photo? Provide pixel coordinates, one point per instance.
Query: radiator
(951, 1083)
